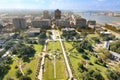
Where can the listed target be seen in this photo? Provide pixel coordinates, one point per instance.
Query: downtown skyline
(111, 5)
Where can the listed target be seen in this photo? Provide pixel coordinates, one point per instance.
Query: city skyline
(61, 4)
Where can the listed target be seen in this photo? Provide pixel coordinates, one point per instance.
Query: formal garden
(54, 67)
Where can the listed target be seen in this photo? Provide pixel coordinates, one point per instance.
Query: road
(117, 55)
(42, 62)
(66, 60)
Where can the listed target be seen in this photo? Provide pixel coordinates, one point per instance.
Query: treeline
(115, 46)
(112, 28)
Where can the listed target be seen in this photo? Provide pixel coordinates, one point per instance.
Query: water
(1, 22)
(102, 19)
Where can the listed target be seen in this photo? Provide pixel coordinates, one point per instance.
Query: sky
(61, 4)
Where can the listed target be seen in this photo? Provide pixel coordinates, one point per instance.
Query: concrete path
(66, 60)
(42, 62)
(7, 53)
(20, 66)
(54, 68)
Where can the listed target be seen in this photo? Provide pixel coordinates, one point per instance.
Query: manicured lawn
(49, 70)
(54, 46)
(38, 48)
(11, 73)
(61, 73)
(76, 58)
(90, 36)
(32, 65)
(34, 61)
(69, 47)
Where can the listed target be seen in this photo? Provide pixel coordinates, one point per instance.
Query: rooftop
(32, 30)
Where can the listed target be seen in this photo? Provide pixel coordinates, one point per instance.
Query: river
(102, 19)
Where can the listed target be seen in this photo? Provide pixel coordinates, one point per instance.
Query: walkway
(66, 60)
(42, 62)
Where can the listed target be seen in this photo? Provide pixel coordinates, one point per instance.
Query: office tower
(57, 14)
(43, 24)
(45, 14)
(81, 22)
(19, 23)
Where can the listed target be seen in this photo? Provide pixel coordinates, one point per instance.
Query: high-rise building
(43, 24)
(62, 23)
(57, 14)
(45, 14)
(81, 22)
(19, 23)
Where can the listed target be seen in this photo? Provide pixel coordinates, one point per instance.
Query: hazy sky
(61, 4)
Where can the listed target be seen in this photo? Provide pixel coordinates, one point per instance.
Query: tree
(42, 37)
(4, 66)
(25, 78)
(91, 75)
(85, 56)
(81, 68)
(83, 45)
(115, 46)
(24, 51)
(8, 45)
(78, 29)
(18, 73)
(113, 75)
(97, 75)
(29, 71)
(84, 34)
(96, 39)
(107, 37)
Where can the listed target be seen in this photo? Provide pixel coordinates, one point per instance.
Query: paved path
(42, 62)
(20, 66)
(54, 68)
(7, 53)
(117, 55)
(66, 60)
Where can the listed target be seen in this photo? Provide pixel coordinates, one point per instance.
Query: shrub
(18, 73)
(85, 57)
(29, 71)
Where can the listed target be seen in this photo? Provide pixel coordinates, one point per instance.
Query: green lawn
(90, 36)
(49, 70)
(32, 65)
(11, 73)
(69, 47)
(34, 61)
(54, 46)
(61, 73)
(38, 48)
(77, 58)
